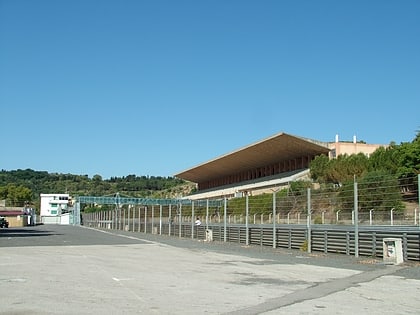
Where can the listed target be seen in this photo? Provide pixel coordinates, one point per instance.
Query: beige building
(16, 216)
(351, 147)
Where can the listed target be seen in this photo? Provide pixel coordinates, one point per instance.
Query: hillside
(37, 182)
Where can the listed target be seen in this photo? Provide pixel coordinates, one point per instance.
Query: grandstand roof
(277, 148)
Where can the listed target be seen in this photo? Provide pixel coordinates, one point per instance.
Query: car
(3, 222)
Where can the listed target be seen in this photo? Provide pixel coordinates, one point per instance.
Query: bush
(318, 220)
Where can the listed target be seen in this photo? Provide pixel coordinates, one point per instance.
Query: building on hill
(264, 166)
(351, 147)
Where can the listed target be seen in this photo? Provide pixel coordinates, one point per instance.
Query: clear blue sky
(156, 87)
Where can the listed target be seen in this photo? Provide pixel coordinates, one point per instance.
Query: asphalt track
(52, 269)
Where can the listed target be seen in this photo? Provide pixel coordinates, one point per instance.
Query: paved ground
(50, 269)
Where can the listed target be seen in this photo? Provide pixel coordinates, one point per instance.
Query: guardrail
(323, 238)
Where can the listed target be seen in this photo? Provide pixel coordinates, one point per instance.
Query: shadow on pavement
(25, 232)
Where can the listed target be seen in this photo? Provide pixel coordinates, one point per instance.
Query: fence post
(225, 220)
(145, 219)
(374, 244)
(405, 247)
(207, 214)
(115, 220)
(170, 221)
(356, 220)
(274, 220)
(192, 219)
(133, 220)
(246, 219)
(392, 216)
(308, 220)
(180, 220)
(325, 241)
(118, 219)
(160, 219)
(124, 225)
(128, 217)
(347, 243)
(153, 219)
(139, 218)
(418, 191)
(111, 218)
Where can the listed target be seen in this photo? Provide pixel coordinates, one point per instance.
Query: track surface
(53, 269)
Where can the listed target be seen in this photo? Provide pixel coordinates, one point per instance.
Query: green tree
(408, 159)
(384, 159)
(338, 170)
(377, 190)
(319, 167)
(16, 196)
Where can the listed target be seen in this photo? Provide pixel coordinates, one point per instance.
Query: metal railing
(324, 238)
(353, 220)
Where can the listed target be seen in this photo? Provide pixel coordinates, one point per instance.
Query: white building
(55, 208)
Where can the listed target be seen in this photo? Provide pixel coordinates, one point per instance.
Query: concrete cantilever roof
(277, 148)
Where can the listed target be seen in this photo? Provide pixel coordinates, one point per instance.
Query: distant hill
(131, 185)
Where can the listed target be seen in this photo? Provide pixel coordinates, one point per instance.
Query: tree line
(401, 161)
(23, 187)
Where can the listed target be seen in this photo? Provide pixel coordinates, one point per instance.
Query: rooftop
(277, 148)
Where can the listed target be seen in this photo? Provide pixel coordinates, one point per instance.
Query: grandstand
(267, 165)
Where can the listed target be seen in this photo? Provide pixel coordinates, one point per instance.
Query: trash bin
(209, 235)
(393, 253)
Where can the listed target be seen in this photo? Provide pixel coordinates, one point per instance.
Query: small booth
(209, 235)
(392, 251)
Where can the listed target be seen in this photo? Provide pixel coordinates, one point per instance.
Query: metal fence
(351, 220)
(323, 238)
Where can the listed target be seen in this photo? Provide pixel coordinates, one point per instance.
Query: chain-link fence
(329, 219)
(375, 201)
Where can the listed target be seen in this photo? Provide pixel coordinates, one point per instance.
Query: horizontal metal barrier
(338, 239)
